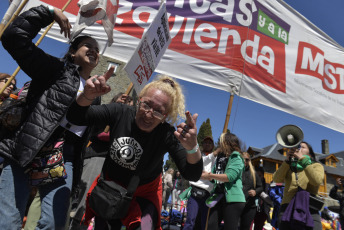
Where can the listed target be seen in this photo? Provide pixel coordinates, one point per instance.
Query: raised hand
(95, 86)
(186, 133)
(63, 22)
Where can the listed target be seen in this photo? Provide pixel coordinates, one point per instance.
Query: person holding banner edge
(45, 132)
(140, 138)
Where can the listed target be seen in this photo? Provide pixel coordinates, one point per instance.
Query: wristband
(51, 9)
(195, 149)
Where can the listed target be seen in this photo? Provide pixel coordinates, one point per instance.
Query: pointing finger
(191, 119)
(103, 79)
(109, 73)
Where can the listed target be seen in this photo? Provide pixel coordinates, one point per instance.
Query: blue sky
(255, 124)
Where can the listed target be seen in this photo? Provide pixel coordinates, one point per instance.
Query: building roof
(271, 152)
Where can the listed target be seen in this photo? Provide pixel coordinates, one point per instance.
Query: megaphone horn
(289, 136)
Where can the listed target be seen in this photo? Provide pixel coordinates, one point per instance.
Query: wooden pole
(130, 87)
(206, 223)
(229, 109)
(16, 13)
(37, 43)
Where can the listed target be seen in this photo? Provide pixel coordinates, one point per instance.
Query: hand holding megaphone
(290, 136)
(294, 153)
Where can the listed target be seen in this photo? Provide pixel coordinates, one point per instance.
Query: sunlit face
(158, 101)
(9, 88)
(87, 54)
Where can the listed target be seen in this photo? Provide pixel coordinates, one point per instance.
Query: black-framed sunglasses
(13, 84)
(143, 105)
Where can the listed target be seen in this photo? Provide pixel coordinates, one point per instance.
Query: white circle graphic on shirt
(126, 152)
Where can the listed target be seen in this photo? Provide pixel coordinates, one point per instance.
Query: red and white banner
(262, 50)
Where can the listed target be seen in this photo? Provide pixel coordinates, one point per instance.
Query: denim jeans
(14, 195)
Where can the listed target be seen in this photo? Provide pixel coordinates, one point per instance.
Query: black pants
(247, 216)
(228, 212)
(285, 226)
(147, 209)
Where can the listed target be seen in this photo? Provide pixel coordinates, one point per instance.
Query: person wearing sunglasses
(299, 170)
(4, 78)
(252, 187)
(140, 136)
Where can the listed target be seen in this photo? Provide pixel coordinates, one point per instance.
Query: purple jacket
(297, 213)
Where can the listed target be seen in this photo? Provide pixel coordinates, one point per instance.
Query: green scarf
(301, 164)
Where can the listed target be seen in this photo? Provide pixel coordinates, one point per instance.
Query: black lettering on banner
(161, 37)
(164, 24)
(156, 47)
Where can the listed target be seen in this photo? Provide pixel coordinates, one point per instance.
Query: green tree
(204, 131)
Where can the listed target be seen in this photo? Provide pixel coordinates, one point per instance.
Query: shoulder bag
(110, 200)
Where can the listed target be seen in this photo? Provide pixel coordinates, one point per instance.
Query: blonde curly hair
(172, 89)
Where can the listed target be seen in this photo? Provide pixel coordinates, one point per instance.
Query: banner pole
(229, 109)
(16, 13)
(130, 87)
(37, 43)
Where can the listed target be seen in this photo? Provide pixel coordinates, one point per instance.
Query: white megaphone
(289, 136)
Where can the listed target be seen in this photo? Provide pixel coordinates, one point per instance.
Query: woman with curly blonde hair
(140, 136)
(174, 91)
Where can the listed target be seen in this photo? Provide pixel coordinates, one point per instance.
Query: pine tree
(204, 131)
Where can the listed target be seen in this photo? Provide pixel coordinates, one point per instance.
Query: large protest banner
(262, 50)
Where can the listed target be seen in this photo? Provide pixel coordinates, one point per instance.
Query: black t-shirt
(131, 148)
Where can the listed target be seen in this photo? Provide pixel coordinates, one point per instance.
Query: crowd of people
(67, 145)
